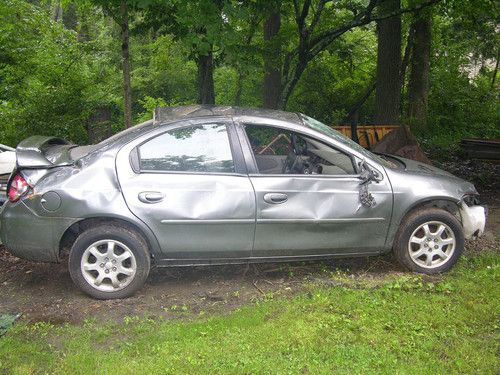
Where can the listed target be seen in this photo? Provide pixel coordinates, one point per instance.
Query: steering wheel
(298, 149)
(289, 164)
(294, 164)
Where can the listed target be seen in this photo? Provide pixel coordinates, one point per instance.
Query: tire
(109, 262)
(442, 241)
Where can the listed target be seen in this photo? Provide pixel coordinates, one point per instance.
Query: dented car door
(328, 209)
(187, 185)
(319, 215)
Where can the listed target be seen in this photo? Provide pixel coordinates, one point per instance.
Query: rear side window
(200, 148)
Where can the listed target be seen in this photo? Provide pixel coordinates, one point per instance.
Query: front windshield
(325, 129)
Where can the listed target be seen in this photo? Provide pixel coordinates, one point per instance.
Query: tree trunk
(206, 91)
(70, 17)
(57, 11)
(287, 88)
(406, 57)
(99, 125)
(127, 91)
(354, 112)
(495, 71)
(272, 71)
(388, 90)
(418, 88)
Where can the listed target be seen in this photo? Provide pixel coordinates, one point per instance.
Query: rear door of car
(188, 183)
(310, 214)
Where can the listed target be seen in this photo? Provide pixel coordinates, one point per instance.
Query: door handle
(151, 197)
(275, 198)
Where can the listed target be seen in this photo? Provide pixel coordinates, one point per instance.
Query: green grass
(406, 326)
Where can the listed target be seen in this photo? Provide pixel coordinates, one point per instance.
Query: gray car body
(210, 218)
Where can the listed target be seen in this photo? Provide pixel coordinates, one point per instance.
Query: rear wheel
(429, 241)
(109, 262)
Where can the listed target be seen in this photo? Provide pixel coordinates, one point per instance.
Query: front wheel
(109, 262)
(429, 241)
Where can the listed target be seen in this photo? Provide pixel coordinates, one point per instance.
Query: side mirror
(367, 174)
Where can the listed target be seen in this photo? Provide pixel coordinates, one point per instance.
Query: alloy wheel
(432, 244)
(108, 265)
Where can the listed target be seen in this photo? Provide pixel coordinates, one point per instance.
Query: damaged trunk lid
(39, 152)
(36, 156)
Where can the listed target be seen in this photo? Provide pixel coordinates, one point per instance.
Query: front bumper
(473, 220)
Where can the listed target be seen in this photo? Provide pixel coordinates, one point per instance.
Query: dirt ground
(45, 292)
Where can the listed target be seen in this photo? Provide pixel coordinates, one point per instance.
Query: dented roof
(168, 114)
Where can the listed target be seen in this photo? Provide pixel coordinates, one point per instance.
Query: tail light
(17, 188)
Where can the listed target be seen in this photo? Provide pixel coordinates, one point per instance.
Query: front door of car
(188, 183)
(308, 198)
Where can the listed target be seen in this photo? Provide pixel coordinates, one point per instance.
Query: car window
(327, 130)
(281, 151)
(200, 148)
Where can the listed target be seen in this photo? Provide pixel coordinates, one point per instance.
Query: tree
(50, 81)
(70, 16)
(388, 86)
(118, 10)
(127, 86)
(206, 90)
(200, 25)
(272, 72)
(314, 37)
(418, 88)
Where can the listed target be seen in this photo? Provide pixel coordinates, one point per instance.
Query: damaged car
(202, 185)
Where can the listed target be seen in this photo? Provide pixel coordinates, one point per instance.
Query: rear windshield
(124, 136)
(129, 133)
(80, 151)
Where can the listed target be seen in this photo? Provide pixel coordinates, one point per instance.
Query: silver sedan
(216, 185)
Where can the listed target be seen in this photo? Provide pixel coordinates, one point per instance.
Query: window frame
(254, 170)
(234, 145)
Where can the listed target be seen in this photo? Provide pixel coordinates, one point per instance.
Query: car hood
(416, 167)
(427, 178)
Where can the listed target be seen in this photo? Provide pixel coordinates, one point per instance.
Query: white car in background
(7, 164)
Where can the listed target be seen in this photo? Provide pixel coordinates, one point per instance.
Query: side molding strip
(210, 221)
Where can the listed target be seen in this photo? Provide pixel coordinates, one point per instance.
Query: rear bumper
(29, 236)
(473, 220)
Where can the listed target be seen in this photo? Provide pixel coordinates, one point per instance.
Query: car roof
(168, 114)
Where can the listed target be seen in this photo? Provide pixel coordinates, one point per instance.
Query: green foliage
(337, 79)
(406, 325)
(161, 70)
(51, 81)
(53, 77)
(463, 103)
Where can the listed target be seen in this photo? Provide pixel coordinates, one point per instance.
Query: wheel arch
(73, 231)
(445, 203)
(445, 212)
(448, 204)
